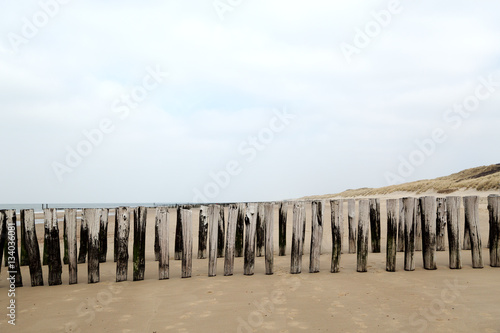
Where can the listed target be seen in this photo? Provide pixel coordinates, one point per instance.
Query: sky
(237, 100)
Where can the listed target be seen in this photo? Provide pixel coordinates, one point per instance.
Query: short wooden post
(94, 218)
(213, 225)
(336, 222)
(12, 246)
(260, 231)
(123, 232)
(203, 233)
(84, 239)
(157, 238)
(3, 237)
(70, 219)
(103, 235)
(240, 228)
(401, 226)
(187, 243)
(316, 222)
(351, 218)
(298, 223)
(494, 234)
(178, 236)
(230, 240)
(466, 245)
(54, 249)
(392, 234)
(323, 208)
(162, 221)
(471, 207)
(452, 215)
(440, 224)
(375, 224)
(140, 217)
(283, 212)
(221, 236)
(363, 229)
(409, 206)
(417, 221)
(269, 234)
(428, 218)
(32, 249)
(65, 240)
(250, 229)
(24, 260)
(45, 254)
(303, 241)
(115, 238)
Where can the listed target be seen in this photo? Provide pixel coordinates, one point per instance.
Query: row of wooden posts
(419, 224)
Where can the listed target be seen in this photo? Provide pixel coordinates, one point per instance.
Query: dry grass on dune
(484, 178)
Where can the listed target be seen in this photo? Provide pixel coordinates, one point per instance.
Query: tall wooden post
(260, 230)
(203, 233)
(94, 219)
(363, 228)
(187, 243)
(115, 238)
(84, 239)
(409, 206)
(54, 249)
(440, 224)
(3, 237)
(162, 221)
(471, 207)
(213, 224)
(32, 249)
(296, 254)
(220, 237)
(428, 217)
(392, 234)
(157, 237)
(401, 226)
(283, 212)
(123, 232)
(240, 227)
(46, 231)
(178, 236)
(316, 222)
(494, 234)
(417, 220)
(24, 261)
(65, 241)
(140, 217)
(70, 219)
(466, 245)
(103, 234)
(336, 222)
(12, 246)
(230, 240)
(269, 234)
(351, 217)
(250, 229)
(303, 241)
(375, 224)
(452, 215)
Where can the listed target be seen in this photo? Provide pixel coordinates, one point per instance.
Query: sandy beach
(443, 300)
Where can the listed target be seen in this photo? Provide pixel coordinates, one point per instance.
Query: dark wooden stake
(140, 217)
(70, 223)
(428, 218)
(452, 215)
(491, 218)
(240, 227)
(162, 221)
(3, 238)
(466, 245)
(230, 240)
(54, 249)
(178, 236)
(65, 240)
(298, 222)
(213, 224)
(471, 207)
(494, 234)
(123, 232)
(250, 229)
(269, 247)
(336, 222)
(46, 220)
(103, 235)
(392, 234)
(401, 226)
(115, 238)
(283, 212)
(187, 243)
(260, 231)
(84, 239)
(303, 241)
(12, 256)
(316, 222)
(32, 248)
(203, 233)
(409, 206)
(94, 219)
(24, 260)
(363, 229)
(351, 218)
(375, 224)
(220, 238)
(417, 220)
(440, 224)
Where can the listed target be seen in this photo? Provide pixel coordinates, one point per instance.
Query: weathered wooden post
(115, 238)
(84, 239)
(269, 234)
(24, 260)
(336, 222)
(230, 240)
(417, 221)
(203, 233)
(296, 255)
(323, 208)
(3, 237)
(401, 226)
(466, 245)
(428, 218)
(303, 241)
(409, 206)
(452, 215)
(45, 255)
(316, 222)
(351, 218)
(440, 224)
(140, 217)
(178, 236)
(54, 249)
(157, 238)
(65, 241)
(220, 238)
(250, 229)
(260, 230)
(363, 228)
(162, 221)
(32, 249)
(283, 212)
(375, 224)
(11, 246)
(392, 234)
(471, 207)
(187, 243)
(240, 228)
(103, 235)
(213, 224)
(94, 218)
(494, 234)
(70, 225)
(123, 231)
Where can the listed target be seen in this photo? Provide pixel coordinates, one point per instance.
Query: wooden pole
(220, 238)
(230, 240)
(24, 260)
(363, 228)
(296, 254)
(140, 218)
(269, 247)
(417, 220)
(84, 239)
(491, 230)
(3, 237)
(303, 241)
(103, 235)
(401, 226)
(54, 250)
(250, 229)
(336, 222)
(65, 239)
(162, 221)
(283, 212)
(123, 231)
(375, 224)
(392, 234)
(32, 248)
(203, 233)
(213, 224)
(70, 219)
(351, 218)
(471, 206)
(240, 228)
(94, 218)
(12, 256)
(316, 223)
(428, 218)
(440, 224)
(409, 206)
(115, 239)
(452, 215)
(187, 243)
(178, 236)
(466, 245)
(260, 231)
(494, 234)
(323, 208)
(46, 221)
(157, 237)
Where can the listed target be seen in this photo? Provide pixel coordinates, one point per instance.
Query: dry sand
(443, 300)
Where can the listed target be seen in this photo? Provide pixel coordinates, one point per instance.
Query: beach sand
(443, 300)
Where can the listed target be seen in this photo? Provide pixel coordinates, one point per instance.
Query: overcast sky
(175, 101)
